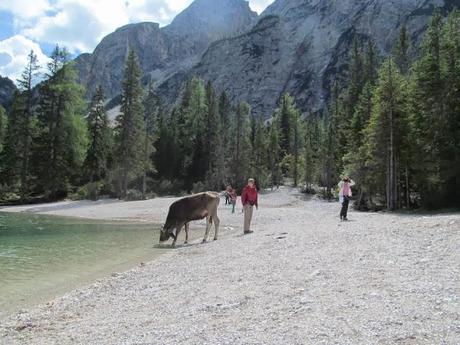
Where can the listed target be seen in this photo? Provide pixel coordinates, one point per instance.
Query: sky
(79, 25)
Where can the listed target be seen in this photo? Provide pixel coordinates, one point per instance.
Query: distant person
(249, 200)
(227, 194)
(345, 195)
(233, 197)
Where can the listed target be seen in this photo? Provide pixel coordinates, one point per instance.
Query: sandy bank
(303, 277)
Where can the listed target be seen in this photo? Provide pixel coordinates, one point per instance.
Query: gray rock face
(166, 51)
(299, 46)
(7, 89)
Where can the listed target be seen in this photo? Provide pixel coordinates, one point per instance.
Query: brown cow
(185, 210)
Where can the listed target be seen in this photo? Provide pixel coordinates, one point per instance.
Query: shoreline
(301, 277)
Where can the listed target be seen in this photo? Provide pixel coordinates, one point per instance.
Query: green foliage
(130, 128)
(100, 139)
(240, 147)
(62, 141)
(3, 127)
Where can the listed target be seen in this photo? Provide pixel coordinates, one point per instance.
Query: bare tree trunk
(407, 187)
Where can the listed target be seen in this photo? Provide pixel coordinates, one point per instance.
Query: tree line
(393, 125)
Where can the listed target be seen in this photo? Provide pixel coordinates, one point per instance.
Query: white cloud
(259, 5)
(80, 25)
(25, 9)
(14, 51)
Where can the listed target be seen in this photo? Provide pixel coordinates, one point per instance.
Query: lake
(42, 257)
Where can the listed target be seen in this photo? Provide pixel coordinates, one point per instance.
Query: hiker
(233, 196)
(227, 194)
(345, 195)
(249, 200)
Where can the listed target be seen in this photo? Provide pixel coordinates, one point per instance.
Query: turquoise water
(44, 256)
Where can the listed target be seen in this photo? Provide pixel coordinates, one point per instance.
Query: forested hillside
(393, 126)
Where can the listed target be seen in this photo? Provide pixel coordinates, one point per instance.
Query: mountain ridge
(295, 46)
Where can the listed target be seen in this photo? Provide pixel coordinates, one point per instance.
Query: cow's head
(168, 231)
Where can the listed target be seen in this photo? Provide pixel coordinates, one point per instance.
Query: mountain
(163, 52)
(295, 46)
(7, 89)
(299, 46)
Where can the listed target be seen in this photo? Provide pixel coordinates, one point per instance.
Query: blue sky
(78, 25)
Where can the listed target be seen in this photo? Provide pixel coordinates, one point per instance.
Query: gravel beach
(302, 277)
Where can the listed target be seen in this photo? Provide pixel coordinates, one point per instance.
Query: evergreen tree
(449, 154)
(216, 174)
(401, 51)
(100, 139)
(274, 156)
(259, 152)
(130, 129)
(62, 142)
(13, 145)
(225, 110)
(192, 133)
(429, 114)
(152, 108)
(26, 83)
(167, 157)
(3, 127)
(241, 145)
(386, 133)
(285, 114)
(310, 166)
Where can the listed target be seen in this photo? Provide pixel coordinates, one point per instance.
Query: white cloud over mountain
(79, 25)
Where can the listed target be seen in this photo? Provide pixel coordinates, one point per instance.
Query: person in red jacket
(249, 200)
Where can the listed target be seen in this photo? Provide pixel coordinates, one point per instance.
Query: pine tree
(3, 127)
(167, 157)
(401, 51)
(100, 139)
(310, 166)
(13, 145)
(386, 132)
(26, 83)
(152, 109)
(274, 156)
(285, 119)
(429, 114)
(215, 175)
(241, 145)
(62, 142)
(259, 152)
(130, 129)
(296, 145)
(449, 154)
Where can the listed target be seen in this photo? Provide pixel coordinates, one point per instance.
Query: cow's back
(193, 207)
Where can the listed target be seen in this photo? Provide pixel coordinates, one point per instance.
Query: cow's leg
(186, 233)
(216, 225)
(208, 226)
(178, 229)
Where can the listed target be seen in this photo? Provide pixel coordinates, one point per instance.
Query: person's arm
(243, 196)
(352, 183)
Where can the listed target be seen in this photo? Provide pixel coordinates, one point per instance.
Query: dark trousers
(344, 210)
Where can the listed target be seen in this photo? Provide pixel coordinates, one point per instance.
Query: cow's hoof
(215, 238)
(185, 242)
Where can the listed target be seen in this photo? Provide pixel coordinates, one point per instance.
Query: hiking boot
(248, 232)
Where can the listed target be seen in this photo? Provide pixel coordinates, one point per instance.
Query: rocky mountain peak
(164, 51)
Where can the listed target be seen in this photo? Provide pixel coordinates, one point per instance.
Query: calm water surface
(41, 257)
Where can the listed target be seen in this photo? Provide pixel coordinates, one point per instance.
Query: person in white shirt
(345, 195)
